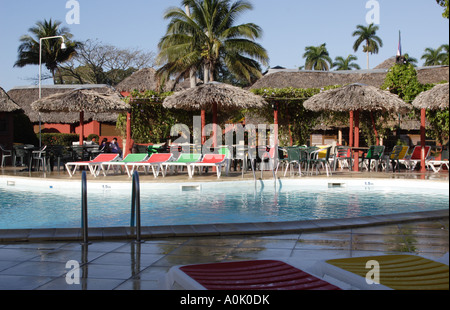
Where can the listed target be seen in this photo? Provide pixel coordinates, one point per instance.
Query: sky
(288, 27)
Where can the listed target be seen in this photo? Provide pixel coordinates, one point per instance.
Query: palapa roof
(433, 99)
(146, 79)
(356, 97)
(142, 80)
(318, 79)
(226, 96)
(24, 96)
(82, 100)
(6, 103)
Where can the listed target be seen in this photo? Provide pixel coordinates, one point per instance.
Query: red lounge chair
(246, 275)
(93, 165)
(156, 160)
(209, 160)
(415, 158)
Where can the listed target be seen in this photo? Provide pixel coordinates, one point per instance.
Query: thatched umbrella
(354, 98)
(82, 100)
(214, 96)
(6, 103)
(436, 98)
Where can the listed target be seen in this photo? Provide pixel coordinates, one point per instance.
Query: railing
(135, 207)
(84, 207)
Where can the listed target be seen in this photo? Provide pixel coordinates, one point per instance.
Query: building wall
(103, 130)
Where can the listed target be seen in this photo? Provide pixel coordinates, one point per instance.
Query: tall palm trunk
(368, 67)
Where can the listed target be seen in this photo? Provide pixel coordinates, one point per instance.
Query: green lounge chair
(375, 154)
(129, 159)
(184, 160)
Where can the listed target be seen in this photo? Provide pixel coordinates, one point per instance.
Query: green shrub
(64, 139)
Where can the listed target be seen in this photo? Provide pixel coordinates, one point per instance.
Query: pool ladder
(135, 220)
(135, 207)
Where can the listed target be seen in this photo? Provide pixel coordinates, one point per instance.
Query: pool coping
(211, 230)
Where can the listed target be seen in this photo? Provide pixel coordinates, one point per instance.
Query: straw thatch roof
(433, 99)
(227, 97)
(142, 80)
(146, 79)
(6, 103)
(387, 64)
(319, 79)
(356, 97)
(82, 100)
(24, 96)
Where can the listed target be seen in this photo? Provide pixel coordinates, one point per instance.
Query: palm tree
(433, 57)
(367, 35)
(411, 60)
(206, 37)
(346, 64)
(317, 58)
(52, 54)
(445, 54)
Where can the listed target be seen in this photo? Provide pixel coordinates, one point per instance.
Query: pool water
(109, 206)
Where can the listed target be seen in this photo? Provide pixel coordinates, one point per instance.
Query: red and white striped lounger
(156, 160)
(209, 160)
(93, 165)
(244, 275)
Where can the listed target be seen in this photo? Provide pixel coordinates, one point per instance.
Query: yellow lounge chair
(388, 272)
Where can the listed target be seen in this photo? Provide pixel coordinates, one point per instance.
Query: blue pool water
(109, 205)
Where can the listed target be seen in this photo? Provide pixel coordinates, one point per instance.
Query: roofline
(65, 86)
(363, 71)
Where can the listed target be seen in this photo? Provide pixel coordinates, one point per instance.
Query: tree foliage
(208, 39)
(52, 54)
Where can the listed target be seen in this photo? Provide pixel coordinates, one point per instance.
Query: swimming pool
(26, 203)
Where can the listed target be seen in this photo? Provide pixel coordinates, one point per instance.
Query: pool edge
(206, 230)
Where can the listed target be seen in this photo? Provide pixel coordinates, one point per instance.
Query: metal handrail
(84, 207)
(136, 206)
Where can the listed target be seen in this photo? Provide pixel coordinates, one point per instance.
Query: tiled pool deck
(36, 259)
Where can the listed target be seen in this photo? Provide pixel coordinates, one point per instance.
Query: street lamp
(63, 47)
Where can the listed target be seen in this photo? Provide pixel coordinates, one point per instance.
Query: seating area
(293, 160)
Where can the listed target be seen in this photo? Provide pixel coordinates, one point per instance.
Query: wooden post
(356, 142)
(422, 139)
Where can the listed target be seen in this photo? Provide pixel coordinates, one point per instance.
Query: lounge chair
(129, 159)
(155, 160)
(224, 150)
(93, 165)
(398, 153)
(394, 272)
(375, 154)
(411, 161)
(245, 275)
(436, 165)
(321, 157)
(184, 160)
(208, 160)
